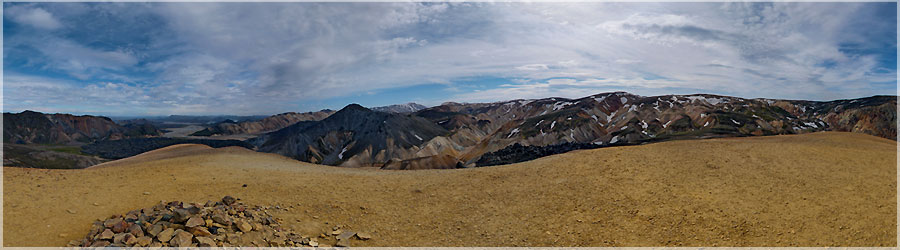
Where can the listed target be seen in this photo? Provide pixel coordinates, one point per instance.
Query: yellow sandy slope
(835, 189)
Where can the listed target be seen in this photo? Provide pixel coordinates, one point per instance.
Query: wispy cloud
(34, 17)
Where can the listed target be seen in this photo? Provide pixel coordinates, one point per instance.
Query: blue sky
(268, 58)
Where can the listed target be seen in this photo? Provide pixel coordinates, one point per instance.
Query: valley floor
(819, 189)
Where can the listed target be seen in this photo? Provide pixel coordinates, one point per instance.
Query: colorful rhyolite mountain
(34, 127)
(267, 124)
(458, 135)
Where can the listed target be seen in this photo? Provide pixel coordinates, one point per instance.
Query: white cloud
(566, 87)
(267, 57)
(627, 61)
(35, 17)
(533, 67)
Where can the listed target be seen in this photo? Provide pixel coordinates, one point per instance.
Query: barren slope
(814, 189)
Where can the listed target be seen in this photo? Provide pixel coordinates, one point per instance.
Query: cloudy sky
(267, 58)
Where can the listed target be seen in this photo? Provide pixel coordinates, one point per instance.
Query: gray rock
(120, 227)
(130, 240)
(244, 226)
(228, 200)
(155, 229)
(107, 234)
(136, 230)
(166, 235)
(194, 221)
(200, 231)
(181, 215)
(110, 222)
(345, 235)
(206, 242)
(120, 237)
(221, 219)
(144, 241)
(182, 239)
(100, 243)
(233, 238)
(343, 243)
(363, 236)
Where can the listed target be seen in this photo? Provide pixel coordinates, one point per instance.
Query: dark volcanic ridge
(118, 149)
(352, 136)
(518, 153)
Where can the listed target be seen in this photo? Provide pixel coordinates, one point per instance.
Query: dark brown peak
(31, 112)
(355, 107)
(618, 93)
(352, 110)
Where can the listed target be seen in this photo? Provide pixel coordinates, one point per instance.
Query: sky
(267, 58)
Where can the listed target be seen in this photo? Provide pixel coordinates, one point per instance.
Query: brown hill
(817, 189)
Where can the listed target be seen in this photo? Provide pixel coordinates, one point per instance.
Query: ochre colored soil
(820, 189)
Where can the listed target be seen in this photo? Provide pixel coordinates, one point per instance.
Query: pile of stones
(224, 223)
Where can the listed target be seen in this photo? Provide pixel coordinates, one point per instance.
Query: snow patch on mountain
(713, 101)
(511, 133)
(341, 155)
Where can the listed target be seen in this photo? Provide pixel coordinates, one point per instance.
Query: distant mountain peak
(354, 107)
(401, 108)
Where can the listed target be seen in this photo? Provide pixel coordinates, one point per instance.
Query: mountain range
(35, 127)
(268, 124)
(458, 135)
(352, 136)
(280, 121)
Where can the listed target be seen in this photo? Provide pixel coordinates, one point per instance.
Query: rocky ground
(224, 223)
(818, 189)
